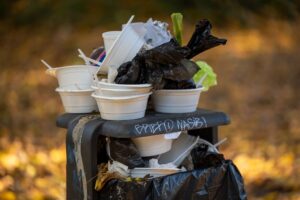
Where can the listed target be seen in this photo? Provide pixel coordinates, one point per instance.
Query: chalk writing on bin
(169, 125)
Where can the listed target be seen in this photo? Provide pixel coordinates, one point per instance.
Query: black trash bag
(124, 151)
(168, 66)
(157, 65)
(220, 182)
(203, 159)
(202, 39)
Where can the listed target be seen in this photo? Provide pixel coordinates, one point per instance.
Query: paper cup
(122, 108)
(77, 101)
(109, 38)
(176, 101)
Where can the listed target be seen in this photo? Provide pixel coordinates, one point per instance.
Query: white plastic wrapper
(153, 163)
(157, 32)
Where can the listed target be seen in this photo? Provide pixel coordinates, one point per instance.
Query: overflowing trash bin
(133, 127)
(200, 174)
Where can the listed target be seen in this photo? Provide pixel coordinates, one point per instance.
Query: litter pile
(203, 174)
(136, 62)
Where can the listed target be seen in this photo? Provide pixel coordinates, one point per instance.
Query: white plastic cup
(176, 101)
(77, 101)
(122, 108)
(74, 76)
(152, 145)
(109, 38)
(181, 148)
(124, 49)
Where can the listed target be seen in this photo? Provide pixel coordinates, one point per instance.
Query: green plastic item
(211, 77)
(177, 26)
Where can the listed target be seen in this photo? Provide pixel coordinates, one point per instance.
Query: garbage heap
(144, 60)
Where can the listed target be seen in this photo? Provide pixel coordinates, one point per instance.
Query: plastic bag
(158, 66)
(219, 182)
(202, 39)
(203, 159)
(124, 151)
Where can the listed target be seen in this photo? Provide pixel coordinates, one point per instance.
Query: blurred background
(258, 85)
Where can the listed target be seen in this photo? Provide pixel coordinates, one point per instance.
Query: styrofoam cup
(74, 76)
(181, 148)
(122, 108)
(176, 101)
(152, 145)
(109, 38)
(77, 101)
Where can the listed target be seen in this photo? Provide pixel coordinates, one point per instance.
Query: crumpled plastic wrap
(157, 33)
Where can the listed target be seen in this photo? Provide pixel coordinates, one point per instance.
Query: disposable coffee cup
(109, 38)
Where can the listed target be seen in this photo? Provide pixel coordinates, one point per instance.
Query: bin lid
(152, 124)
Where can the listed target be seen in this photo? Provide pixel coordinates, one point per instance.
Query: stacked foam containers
(75, 87)
(118, 101)
(121, 102)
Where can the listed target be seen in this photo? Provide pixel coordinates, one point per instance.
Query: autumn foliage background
(258, 85)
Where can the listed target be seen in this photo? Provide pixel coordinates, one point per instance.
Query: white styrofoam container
(96, 90)
(111, 92)
(176, 101)
(154, 172)
(105, 84)
(74, 76)
(152, 145)
(109, 38)
(122, 108)
(181, 148)
(77, 101)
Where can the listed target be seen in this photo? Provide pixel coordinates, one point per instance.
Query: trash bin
(80, 184)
